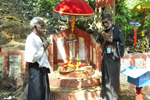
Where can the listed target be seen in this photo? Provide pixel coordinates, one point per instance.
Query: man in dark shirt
(112, 45)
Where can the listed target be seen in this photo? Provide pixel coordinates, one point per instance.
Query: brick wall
(13, 70)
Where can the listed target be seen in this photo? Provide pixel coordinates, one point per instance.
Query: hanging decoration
(135, 36)
(0, 49)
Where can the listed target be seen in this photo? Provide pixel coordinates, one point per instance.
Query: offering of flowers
(71, 66)
(74, 65)
(65, 69)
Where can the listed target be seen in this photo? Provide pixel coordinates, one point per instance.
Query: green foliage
(84, 24)
(45, 9)
(92, 3)
(124, 16)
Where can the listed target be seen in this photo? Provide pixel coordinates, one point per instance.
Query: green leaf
(56, 31)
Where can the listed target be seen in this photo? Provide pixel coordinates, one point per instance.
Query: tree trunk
(97, 24)
(111, 10)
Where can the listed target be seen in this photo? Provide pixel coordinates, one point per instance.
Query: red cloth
(104, 3)
(135, 36)
(74, 8)
(0, 49)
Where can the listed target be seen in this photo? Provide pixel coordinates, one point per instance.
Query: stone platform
(75, 88)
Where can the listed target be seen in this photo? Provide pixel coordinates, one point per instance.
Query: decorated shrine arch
(83, 45)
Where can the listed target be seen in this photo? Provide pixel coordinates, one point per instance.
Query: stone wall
(13, 70)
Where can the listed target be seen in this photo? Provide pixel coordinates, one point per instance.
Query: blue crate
(137, 76)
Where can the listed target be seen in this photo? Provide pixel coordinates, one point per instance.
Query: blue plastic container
(137, 76)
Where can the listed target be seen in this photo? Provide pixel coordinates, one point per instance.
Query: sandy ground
(19, 94)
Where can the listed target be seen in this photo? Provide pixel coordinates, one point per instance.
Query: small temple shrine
(75, 63)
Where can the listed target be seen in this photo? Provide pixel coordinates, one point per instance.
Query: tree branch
(121, 1)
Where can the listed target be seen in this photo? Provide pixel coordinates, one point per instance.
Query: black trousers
(38, 83)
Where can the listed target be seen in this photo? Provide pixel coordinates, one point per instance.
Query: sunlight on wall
(148, 63)
(139, 62)
(94, 56)
(72, 49)
(81, 48)
(90, 53)
(60, 48)
(131, 3)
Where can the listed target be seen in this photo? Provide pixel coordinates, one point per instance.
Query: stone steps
(91, 93)
(74, 88)
(74, 82)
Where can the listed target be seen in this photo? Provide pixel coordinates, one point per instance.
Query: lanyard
(38, 36)
(35, 33)
(110, 32)
(110, 35)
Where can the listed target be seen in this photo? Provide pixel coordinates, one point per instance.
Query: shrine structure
(75, 85)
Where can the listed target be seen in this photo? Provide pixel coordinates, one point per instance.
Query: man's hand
(46, 43)
(106, 37)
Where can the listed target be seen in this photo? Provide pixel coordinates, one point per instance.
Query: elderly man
(36, 55)
(112, 44)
